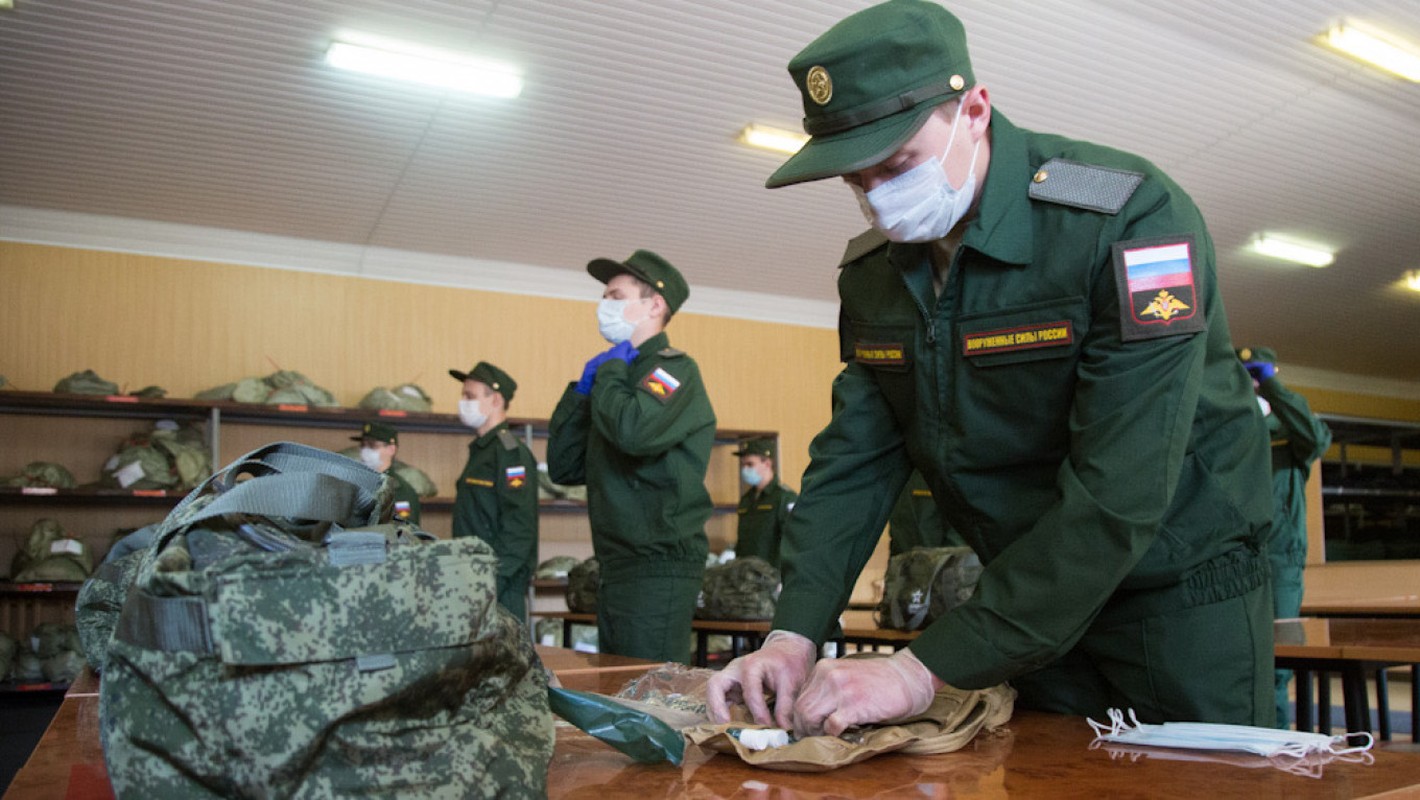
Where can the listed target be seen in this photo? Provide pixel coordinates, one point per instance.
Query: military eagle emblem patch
(516, 476)
(1158, 288)
(660, 384)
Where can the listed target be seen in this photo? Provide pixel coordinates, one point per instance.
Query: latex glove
(624, 351)
(1260, 370)
(842, 693)
(780, 664)
(589, 372)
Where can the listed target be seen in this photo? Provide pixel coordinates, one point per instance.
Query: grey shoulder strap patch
(510, 442)
(862, 244)
(1071, 183)
(670, 352)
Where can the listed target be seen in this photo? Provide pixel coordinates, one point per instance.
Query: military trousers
(1183, 653)
(1286, 604)
(647, 617)
(513, 592)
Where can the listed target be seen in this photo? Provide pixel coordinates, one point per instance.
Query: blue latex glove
(1260, 370)
(624, 351)
(589, 373)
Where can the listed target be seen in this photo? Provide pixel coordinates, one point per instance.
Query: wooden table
(1035, 755)
(1353, 648)
(1404, 605)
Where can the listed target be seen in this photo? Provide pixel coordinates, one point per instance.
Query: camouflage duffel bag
(283, 639)
(583, 586)
(744, 588)
(924, 583)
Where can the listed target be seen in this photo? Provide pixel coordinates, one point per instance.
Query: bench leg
(1303, 683)
(1382, 705)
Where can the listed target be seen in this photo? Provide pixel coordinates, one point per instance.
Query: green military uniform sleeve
(407, 506)
(1307, 436)
(649, 416)
(567, 439)
(517, 510)
(857, 467)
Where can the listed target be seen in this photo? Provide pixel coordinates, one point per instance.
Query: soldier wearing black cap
(496, 496)
(379, 443)
(765, 506)
(637, 429)
(1298, 439)
(1034, 324)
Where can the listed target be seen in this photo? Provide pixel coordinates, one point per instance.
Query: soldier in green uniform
(766, 504)
(496, 496)
(637, 429)
(1034, 323)
(379, 442)
(915, 521)
(1298, 440)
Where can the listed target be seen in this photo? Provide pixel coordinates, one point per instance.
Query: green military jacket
(1079, 464)
(763, 515)
(641, 443)
(496, 499)
(406, 500)
(1298, 440)
(915, 522)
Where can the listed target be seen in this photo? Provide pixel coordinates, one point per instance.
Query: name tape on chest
(1158, 288)
(880, 354)
(660, 384)
(478, 482)
(1018, 337)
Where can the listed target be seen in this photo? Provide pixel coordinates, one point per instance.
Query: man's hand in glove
(843, 692)
(1260, 370)
(781, 664)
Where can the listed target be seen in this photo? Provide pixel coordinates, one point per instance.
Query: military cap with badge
(491, 376)
(649, 267)
(762, 447)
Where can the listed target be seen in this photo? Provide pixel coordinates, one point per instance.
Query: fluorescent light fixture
(1412, 280)
(1375, 48)
(388, 58)
(1297, 252)
(776, 139)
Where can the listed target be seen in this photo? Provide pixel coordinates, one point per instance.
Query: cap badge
(819, 85)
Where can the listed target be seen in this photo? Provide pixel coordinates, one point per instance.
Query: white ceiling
(224, 115)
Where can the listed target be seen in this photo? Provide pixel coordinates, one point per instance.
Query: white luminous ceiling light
(776, 139)
(1297, 252)
(1412, 280)
(1377, 49)
(410, 62)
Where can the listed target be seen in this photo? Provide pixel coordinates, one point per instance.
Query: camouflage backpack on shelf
(583, 583)
(50, 554)
(169, 457)
(45, 474)
(404, 397)
(924, 583)
(743, 588)
(281, 638)
(86, 382)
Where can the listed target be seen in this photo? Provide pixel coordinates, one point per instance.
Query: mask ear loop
(1370, 742)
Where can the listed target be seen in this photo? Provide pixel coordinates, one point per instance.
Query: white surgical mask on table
(370, 457)
(611, 320)
(1213, 736)
(470, 414)
(750, 475)
(920, 205)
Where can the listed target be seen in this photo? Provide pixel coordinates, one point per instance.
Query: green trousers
(513, 593)
(1286, 604)
(648, 617)
(1206, 662)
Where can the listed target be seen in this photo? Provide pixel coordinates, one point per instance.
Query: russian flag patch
(660, 384)
(516, 476)
(1158, 288)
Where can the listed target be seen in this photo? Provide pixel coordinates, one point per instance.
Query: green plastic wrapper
(636, 733)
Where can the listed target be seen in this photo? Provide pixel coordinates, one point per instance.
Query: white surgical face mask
(1211, 736)
(920, 205)
(370, 457)
(471, 415)
(611, 320)
(750, 475)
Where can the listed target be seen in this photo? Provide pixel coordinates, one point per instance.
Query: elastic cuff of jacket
(795, 612)
(628, 569)
(956, 655)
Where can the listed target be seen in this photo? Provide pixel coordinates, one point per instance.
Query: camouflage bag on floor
(924, 583)
(744, 588)
(282, 639)
(583, 582)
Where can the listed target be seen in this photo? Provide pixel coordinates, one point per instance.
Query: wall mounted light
(1412, 280)
(405, 61)
(1289, 250)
